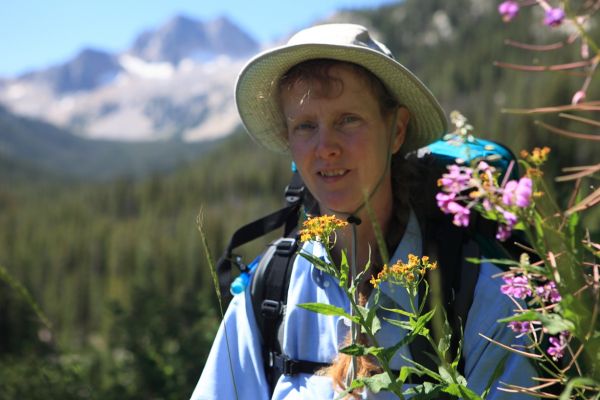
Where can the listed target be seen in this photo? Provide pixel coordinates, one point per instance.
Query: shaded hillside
(44, 146)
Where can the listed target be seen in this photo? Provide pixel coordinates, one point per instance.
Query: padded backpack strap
(269, 290)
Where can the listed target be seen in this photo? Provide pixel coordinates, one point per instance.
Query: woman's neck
(367, 247)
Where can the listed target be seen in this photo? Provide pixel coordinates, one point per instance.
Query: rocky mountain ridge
(174, 82)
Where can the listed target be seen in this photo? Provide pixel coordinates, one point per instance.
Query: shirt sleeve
(234, 368)
(481, 356)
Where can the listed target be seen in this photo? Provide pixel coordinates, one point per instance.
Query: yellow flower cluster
(404, 273)
(537, 156)
(318, 228)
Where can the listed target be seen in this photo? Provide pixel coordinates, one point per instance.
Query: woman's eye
(349, 120)
(305, 127)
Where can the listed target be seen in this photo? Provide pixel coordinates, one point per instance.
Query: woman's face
(341, 142)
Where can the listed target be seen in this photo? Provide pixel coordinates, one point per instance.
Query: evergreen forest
(105, 291)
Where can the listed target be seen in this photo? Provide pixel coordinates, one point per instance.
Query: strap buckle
(283, 363)
(293, 194)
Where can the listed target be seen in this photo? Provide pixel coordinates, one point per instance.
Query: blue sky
(37, 33)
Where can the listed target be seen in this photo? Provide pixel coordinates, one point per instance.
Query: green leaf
(321, 264)
(356, 384)
(358, 350)
(573, 311)
(554, 323)
(497, 261)
(495, 375)
(425, 391)
(419, 326)
(360, 275)
(377, 383)
(328, 309)
(577, 383)
(400, 311)
(355, 349)
(488, 214)
(461, 391)
(344, 270)
(372, 321)
(402, 324)
(445, 374)
(445, 337)
(525, 316)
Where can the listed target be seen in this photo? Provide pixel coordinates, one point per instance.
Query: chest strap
(287, 366)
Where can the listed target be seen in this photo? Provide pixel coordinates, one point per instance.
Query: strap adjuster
(286, 246)
(270, 309)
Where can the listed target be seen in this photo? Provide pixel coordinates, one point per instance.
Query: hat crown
(339, 35)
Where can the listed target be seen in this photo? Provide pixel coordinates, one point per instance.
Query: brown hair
(319, 71)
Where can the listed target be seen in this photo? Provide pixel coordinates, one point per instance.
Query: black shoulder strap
(287, 216)
(269, 289)
(450, 246)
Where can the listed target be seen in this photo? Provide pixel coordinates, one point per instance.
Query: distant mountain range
(173, 82)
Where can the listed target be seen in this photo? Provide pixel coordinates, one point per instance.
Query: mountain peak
(89, 69)
(185, 37)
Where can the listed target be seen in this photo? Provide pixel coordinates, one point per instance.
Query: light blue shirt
(315, 337)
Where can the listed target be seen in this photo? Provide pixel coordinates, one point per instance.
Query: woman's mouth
(330, 173)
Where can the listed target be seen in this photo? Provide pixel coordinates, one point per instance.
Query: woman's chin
(338, 207)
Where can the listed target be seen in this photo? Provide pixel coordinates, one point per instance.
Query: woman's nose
(328, 144)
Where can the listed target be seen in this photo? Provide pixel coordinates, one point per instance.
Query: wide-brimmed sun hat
(257, 88)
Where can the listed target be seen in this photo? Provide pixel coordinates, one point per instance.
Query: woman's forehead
(337, 79)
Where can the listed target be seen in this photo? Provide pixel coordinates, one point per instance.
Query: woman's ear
(402, 119)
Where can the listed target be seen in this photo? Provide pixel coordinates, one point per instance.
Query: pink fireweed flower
(483, 166)
(503, 232)
(554, 17)
(558, 345)
(520, 326)
(516, 286)
(505, 227)
(548, 292)
(461, 214)
(443, 200)
(518, 193)
(508, 10)
(456, 179)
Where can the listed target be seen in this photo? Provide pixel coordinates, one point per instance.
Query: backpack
(442, 241)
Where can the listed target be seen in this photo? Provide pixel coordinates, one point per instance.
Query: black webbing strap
(287, 215)
(287, 366)
(271, 285)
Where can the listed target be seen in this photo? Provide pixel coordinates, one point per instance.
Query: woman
(346, 112)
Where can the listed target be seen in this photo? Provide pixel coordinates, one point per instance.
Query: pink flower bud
(508, 10)
(585, 51)
(578, 97)
(554, 17)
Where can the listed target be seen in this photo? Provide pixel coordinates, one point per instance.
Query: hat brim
(257, 92)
